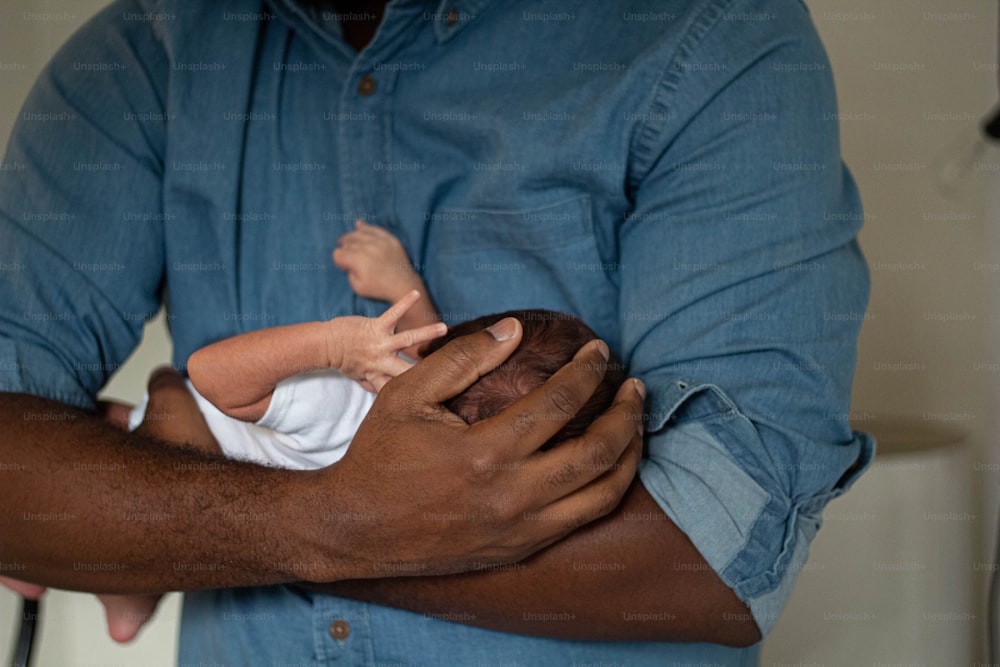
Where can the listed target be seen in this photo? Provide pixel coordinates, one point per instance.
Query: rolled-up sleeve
(742, 294)
(81, 236)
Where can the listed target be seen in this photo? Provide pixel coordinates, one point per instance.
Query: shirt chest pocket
(484, 261)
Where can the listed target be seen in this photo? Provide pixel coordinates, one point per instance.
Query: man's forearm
(86, 506)
(630, 576)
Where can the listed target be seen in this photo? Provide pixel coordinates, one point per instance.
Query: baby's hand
(376, 264)
(365, 348)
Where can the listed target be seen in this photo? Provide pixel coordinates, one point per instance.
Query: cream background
(898, 574)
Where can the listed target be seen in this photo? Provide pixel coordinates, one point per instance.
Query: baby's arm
(238, 374)
(378, 268)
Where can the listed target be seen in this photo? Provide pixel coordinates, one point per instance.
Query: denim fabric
(667, 171)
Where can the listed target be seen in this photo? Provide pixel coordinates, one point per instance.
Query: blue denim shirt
(667, 171)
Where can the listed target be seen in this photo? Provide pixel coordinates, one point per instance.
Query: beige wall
(72, 632)
(898, 572)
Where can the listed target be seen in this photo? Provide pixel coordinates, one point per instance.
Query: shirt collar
(453, 15)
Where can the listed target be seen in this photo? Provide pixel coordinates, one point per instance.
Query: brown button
(452, 17)
(366, 86)
(340, 630)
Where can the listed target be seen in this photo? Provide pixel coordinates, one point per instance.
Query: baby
(293, 396)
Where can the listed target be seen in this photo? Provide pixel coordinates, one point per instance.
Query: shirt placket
(342, 632)
(365, 146)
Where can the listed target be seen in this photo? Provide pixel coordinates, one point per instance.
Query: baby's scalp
(549, 342)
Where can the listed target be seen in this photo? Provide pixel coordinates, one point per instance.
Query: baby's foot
(127, 613)
(29, 591)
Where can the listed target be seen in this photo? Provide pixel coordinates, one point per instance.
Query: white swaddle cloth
(309, 424)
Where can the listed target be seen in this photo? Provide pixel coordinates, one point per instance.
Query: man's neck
(359, 19)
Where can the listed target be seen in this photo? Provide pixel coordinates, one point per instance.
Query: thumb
(456, 366)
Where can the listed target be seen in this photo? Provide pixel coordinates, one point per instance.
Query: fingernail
(602, 347)
(640, 388)
(505, 329)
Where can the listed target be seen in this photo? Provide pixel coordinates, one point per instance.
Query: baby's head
(549, 342)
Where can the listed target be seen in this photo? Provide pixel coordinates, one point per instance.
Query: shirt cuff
(744, 525)
(28, 369)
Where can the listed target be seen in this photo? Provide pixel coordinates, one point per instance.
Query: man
(666, 171)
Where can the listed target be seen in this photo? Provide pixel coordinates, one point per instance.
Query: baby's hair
(549, 342)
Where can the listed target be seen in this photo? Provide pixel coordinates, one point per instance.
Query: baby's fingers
(344, 258)
(390, 318)
(348, 237)
(391, 367)
(356, 239)
(419, 336)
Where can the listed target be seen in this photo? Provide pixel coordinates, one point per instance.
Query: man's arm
(633, 575)
(79, 494)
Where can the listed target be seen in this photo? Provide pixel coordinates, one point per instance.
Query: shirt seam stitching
(667, 85)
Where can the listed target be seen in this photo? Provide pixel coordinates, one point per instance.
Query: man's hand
(436, 495)
(365, 349)
(376, 263)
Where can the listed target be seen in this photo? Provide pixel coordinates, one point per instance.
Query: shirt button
(340, 630)
(366, 86)
(452, 17)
